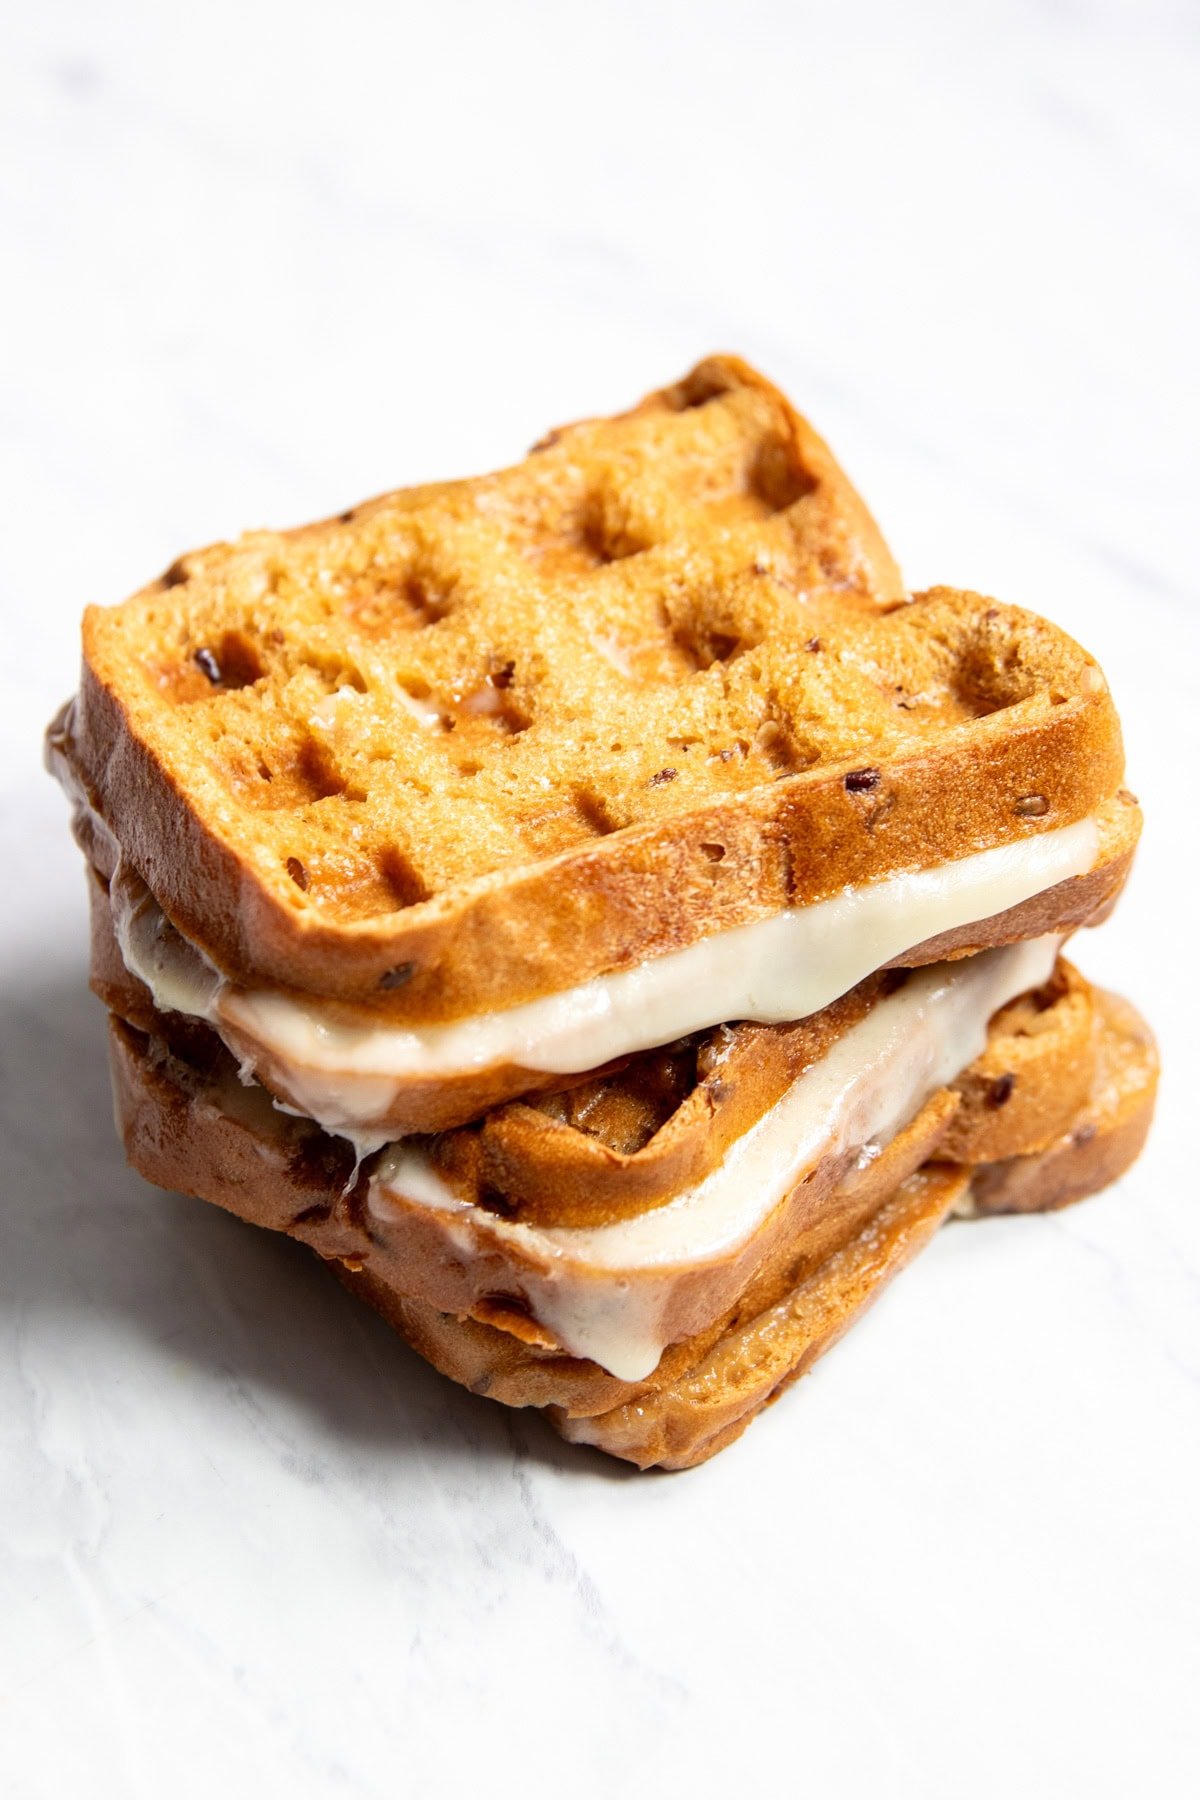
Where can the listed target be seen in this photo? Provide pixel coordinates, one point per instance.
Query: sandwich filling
(604, 1291)
(347, 1077)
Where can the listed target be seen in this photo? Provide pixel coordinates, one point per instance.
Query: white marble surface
(262, 259)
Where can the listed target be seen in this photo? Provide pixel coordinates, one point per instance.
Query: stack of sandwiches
(601, 912)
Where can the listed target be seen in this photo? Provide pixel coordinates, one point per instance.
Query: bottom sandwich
(652, 1257)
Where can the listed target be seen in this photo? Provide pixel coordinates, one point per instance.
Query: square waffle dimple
(476, 742)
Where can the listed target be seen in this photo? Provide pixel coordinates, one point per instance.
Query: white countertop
(261, 260)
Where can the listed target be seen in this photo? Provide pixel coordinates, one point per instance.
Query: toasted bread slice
(187, 1124)
(478, 743)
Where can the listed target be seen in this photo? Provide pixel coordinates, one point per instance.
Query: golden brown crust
(1095, 1145)
(663, 686)
(183, 1129)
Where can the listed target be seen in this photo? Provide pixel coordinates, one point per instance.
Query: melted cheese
(603, 1291)
(778, 969)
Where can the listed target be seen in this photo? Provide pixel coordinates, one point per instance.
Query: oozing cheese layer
(783, 968)
(603, 1291)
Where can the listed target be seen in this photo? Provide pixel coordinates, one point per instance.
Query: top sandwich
(483, 785)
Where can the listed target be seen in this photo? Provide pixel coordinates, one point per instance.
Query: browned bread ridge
(477, 742)
(187, 1127)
